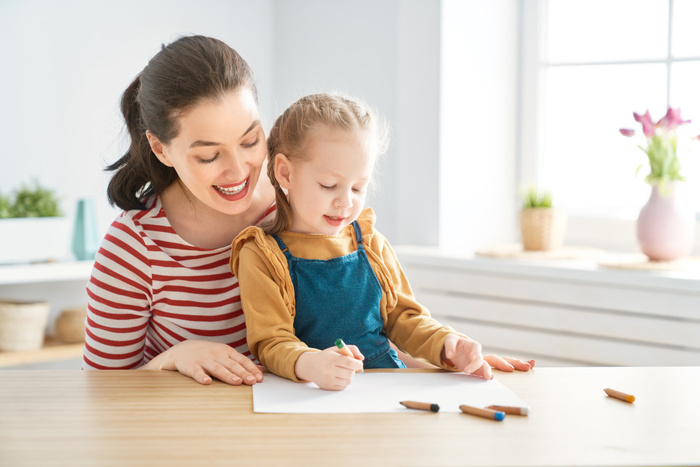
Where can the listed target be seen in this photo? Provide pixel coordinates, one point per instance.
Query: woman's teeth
(232, 191)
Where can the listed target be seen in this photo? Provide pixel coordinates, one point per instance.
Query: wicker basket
(70, 325)
(542, 228)
(22, 325)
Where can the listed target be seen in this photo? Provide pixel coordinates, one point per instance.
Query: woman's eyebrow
(200, 142)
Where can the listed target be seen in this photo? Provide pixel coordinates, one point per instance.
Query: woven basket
(542, 228)
(70, 325)
(22, 325)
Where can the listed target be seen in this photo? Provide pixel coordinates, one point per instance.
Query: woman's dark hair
(181, 75)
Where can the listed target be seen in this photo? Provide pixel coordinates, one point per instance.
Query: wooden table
(124, 418)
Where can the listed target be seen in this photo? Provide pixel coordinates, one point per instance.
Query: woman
(161, 295)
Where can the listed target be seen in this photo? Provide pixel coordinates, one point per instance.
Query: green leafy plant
(5, 206)
(30, 201)
(534, 198)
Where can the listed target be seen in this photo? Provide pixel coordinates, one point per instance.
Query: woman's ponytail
(131, 181)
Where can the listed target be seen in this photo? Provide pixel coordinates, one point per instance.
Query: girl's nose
(344, 200)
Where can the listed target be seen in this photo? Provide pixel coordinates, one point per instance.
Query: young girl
(321, 271)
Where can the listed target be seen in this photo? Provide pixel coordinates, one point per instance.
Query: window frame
(605, 231)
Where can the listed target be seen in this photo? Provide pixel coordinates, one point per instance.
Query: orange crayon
(619, 395)
(485, 413)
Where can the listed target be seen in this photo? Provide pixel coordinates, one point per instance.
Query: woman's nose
(234, 167)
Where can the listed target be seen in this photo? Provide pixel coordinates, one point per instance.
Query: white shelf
(45, 272)
(683, 281)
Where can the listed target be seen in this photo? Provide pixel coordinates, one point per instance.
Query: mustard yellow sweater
(267, 294)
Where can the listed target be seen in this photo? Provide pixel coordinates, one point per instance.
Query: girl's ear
(157, 148)
(283, 171)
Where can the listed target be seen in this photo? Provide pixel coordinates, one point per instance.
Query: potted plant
(32, 226)
(542, 226)
(666, 223)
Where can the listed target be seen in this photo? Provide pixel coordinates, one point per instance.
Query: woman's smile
(233, 192)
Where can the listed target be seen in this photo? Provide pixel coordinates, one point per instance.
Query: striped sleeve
(119, 300)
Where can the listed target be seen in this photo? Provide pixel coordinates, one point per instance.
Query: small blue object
(499, 416)
(85, 238)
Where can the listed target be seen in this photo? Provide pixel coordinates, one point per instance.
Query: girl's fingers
(474, 365)
(356, 352)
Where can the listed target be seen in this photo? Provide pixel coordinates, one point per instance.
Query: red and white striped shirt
(150, 290)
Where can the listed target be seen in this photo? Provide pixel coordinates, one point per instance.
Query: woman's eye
(251, 144)
(209, 160)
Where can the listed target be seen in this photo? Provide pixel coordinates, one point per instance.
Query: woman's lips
(233, 192)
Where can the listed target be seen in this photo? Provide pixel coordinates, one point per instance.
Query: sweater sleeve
(408, 324)
(267, 297)
(119, 300)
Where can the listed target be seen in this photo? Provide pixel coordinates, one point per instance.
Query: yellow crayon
(619, 395)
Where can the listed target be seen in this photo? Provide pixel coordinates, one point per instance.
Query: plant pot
(542, 228)
(666, 225)
(34, 239)
(22, 325)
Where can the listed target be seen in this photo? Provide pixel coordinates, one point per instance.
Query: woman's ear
(157, 148)
(283, 171)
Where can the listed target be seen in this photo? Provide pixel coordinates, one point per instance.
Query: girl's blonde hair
(291, 132)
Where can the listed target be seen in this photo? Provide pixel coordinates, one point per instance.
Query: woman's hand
(330, 369)
(509, 363)
(202, 360)
(465, 354)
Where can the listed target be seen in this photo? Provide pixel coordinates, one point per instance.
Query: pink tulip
(647, 124)
(626, 132)
(671, 120)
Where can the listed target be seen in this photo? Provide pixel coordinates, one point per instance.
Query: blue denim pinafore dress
(339, 298)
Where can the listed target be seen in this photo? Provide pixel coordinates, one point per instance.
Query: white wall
(387, 52)
(478, 117)
(65, 65)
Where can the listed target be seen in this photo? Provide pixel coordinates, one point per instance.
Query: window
(535, 91)
(586, 67)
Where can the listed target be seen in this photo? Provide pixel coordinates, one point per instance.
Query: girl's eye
(211, 159)
(250, 145)
(325, 187)
(358, 190)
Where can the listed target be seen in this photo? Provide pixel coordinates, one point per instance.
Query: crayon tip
(499, 416)
(434, 408)
(339, 343)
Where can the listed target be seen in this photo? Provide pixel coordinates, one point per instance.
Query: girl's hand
(509, 363)
(465, 354)
(202, 360)
(330, 369)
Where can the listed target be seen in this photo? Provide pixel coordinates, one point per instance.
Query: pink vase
(666, 225)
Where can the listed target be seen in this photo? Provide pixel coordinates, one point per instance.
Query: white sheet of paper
(381, 392)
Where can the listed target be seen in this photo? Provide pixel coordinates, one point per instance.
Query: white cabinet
(561, 313)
